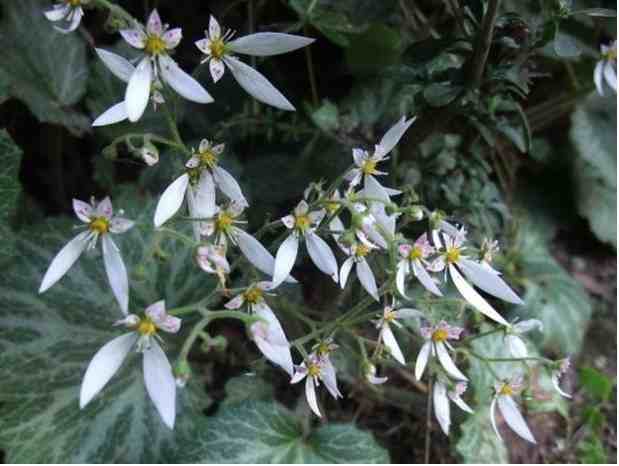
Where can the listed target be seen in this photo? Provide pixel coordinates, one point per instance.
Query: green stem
(484, 41)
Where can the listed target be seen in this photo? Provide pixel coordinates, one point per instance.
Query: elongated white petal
(183, 83)
(63, 261)
(275, 347)
(516, 347)
(171, 200)
(366, 277)
(513, 417)
(310, 395)
(321, 255)
(204, 196)
(104, 365)
(229, 186)
(345, 271)
(474, 298)
(257, 254)
(610, 75)
(116, 272)
(264, 44)
(488, 281)
(134, 37)
(441, 406)
(447, 362)
(425, 279)
(257, 85)
(400, 278)
(373, 189)
(74, 18)
(138, 90)
(392, 344)
(57, 12)
(493, 418)
(115, 114)
(330, 380)
(119, 66)
(160, 383)
(597, 77)
(394, 134)
(422, 359)
(284, 259)
(460, 403)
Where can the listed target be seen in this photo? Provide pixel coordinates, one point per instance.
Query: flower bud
(182, 373)
(149, 153)
(436, 218)
(415, 212)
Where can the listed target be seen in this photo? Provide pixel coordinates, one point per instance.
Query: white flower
(513, 340)
(437, 345)
(563, 367)
(509, 409)
(413, 258)
(441, 397)
(483, 276)
(390, 316)
(333, 207)
(315, 370)
(606, 69)
(358, 253)
(158, 376)
(212, 259)
(219, 50)
(370, 375)
(70, 12)
(100, 221)
(303, 224)
(366, 164)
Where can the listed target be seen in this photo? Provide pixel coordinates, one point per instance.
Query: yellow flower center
(302, 222)
(224, 222)
(208, 158)
(74, 3)
(389, 316)
(218, 49)
(439, 335)
(369, 167)
(506, 389)
(323, 349)
(453, 255)
(611, 55)
(99, 225)
(253, 295)
(332, 207)
(146, 327)
(155, 45)
(362, 250)
(416, 253)
(313, 370)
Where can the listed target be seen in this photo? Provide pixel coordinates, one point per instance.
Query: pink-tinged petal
(276, 347)
(288, 221)
(513, 417)
(217, 69)
(120, 225)
(392, 344)
(162, 319)
(405, 250)
(116, 272)
(285, 259)
(422, 359)
(171, 200)
(83, 210)
(105, 209)
(236, 302)
(424, 278)
(138, 90)
(154, 26)
(160, 384)
(104, 365)
(321, 254)
(172, 38)
(63, 261)
(310, 395)
(204, 46)
(441, 406)
(214, 30)
(134, 37)
(300, 372)
(447, 362)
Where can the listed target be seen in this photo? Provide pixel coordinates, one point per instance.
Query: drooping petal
(119, 66)
(513, 417)
(138, 90)
(104, 365)
(493, 418)
(153, 25)
(172, 38)
(236, 302)
(257, 85)
(285, 259)
(321, 255)
(474, 298)
(394, 134)
(171, 200)
(229, 186)
(257, 254)
(310, 395)
(366, 277)
(345, 271)
(373, 189)
(264, 44)
(276, 347)
(74, 18)
(330, 380)
(160, 384)
(63, 261)
(181, 82)
(83, 210)
(422, 359)
(299, 374)
(400, 278)
(204, 196)
(441, 406)
(460, 403)
(392, 344)
(116, 272)
(488, 281)
(162, 319)
(555, 383)
(57, 12)
(447, 362)
(424, 278)
(217, 69)
(610, 75)
(134, 37)
(115, 114)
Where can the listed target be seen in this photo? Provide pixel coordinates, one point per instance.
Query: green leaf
(47, 70)
(593, 134)
(479, 443)
(375, 49)
(441, 94)
(597, 384)
(247, 387)
(262, 432)
(10, 189)
(47, 341)
(327, 116)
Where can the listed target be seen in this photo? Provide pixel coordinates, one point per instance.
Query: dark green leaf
(441, 94)
(10, 188)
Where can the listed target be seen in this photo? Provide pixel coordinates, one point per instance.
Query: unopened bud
(415, 212)
(149, 153)
(182, 373)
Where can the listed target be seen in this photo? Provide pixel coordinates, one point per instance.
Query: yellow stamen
(218, 49)
(362, 250)
(389, 316)
(369, 167)
(208, 158)
(146, 327)
(313, 370)
(611, 54)
(253, 295)
(155, 45)
(99, 225)
(224, 222)
(323, 349)
(74, 3)
(302, 222)
(440, 335)
(506, 389)
(453, 255)
(332, 207)
(416, 253)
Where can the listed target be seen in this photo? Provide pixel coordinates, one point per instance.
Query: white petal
(555, 383)
(488, 281)
(394, 134)
(217, 69)
(171, 200)
(516, 346)
(273, 348)
(474, 298)
(214, 30)
(229, 186)
(161, 318)
(299, 374)
(63, 261)
(461, 404)
(115, 114)
(610, 75)
(310, 395)
(424, 277)
(366, 277)
(264, 44)
(257, 254)
(83, 210)
(284, 259)
(104, 365)
(134, 37)
(160, 383)
(392, 344)
(116, 272)
(119, 66)
(441, 406)
(120, 225)
(204, 196)
(236, 302)
(321, 255)
(57, 12)
(329, 378)
(400, 278)
(422, 359)
(172, 38)
(597, 77)
(373, 189)
(447, 362)
(493, 418)
(183, 83)
(153, 25)
(75, 18)
(345, 271)
(257, 85)
(138, 90)
(513, 418)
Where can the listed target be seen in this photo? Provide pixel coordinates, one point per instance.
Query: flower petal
(285, 259)
(321, 254)
(116, 272)
(441, 406)
(229, 186)
(513, 417)
(104, 364)
(119, 66)
(104, 208)
(153, 25)
(447, 362)
(160, 383)
(83, 210)
(134, 37)
(264, 44)
(214, 30)
(204, 196)
(394, 134)
(329, 379)
(400, 278)
(257, 85)
(63, 261)
(373, 189)
(345, 271)
(610, 75)
(161, 318)
(171, 200)
(138, 90)
(493, 418)
(392, 344)
(424, 278)
(310, 395)
(217, 69)
(115, 114)
(488, 281)
(366, 277)
(184, 85)
(120, 225)
(172, 38)
(57, 12)
(276, 348)
(257, 254)
(422, 359)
